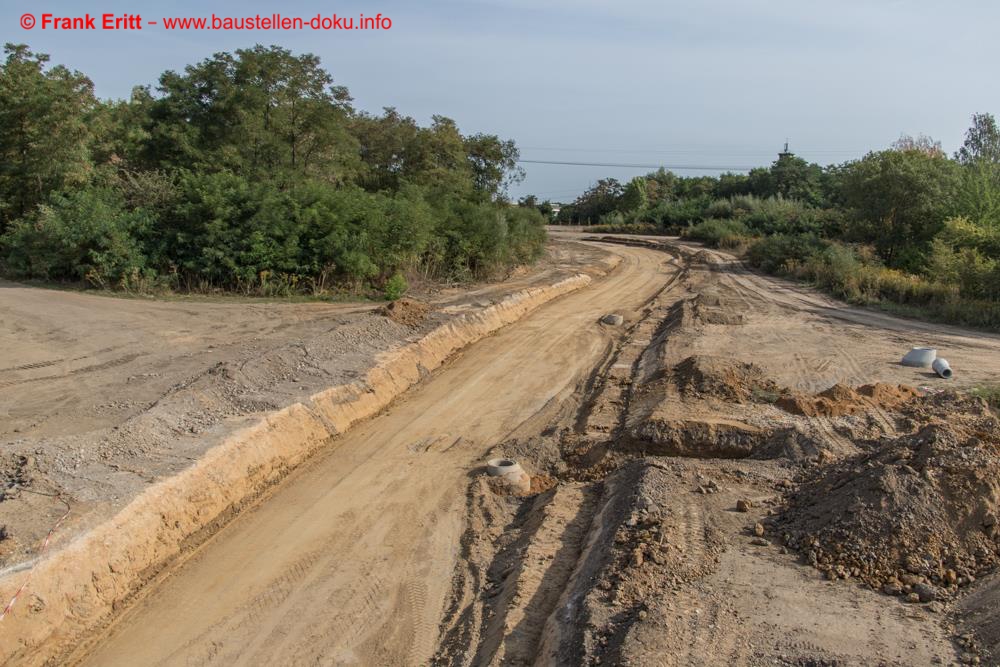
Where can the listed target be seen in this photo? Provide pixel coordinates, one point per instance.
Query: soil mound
(407, 312)
(917, 514)
(837, 401)
(712, 308)
(840, 400)
(888, 395)
(708, 437)
(721, 377)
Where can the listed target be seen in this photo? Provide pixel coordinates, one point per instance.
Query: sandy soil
(394, 547)
(102, 396)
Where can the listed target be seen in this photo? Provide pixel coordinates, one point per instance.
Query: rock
(892, 588)
(951, 577)
(612, 319)
(759, 541)
(925, 592)
(637, 557)
(913, 597)
(758, 529)
(743, 505)
(643, 614)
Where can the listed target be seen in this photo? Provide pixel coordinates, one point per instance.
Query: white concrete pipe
(511, 473)
(942, 368)
(920, 357)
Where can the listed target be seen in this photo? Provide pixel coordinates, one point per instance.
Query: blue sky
(693, 82)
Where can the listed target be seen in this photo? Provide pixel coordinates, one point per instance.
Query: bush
(720, 233)
(84, 235)
(720, 208)
(627, 228)
(779, 253)
(395, 287)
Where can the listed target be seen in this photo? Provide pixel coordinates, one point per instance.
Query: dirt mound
(837, 401)
(709, 437)
(888, 395)
(917, 514)
(712, 308)
(840, 400)
(407, 312)
(732, 380)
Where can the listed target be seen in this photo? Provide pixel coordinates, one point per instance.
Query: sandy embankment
(79, 586)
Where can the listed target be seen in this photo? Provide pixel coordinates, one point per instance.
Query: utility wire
(630, 165)
(683, 151)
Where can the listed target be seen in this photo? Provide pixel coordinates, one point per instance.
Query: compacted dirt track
(663, 525)
(350, 561)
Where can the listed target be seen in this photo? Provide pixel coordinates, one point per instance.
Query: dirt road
(666, 460)
(351, 560)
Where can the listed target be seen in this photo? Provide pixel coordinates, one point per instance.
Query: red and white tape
(41, 551)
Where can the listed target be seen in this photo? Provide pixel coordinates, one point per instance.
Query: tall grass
(852, 274)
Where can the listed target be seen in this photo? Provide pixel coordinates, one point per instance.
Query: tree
(921, 143)
(603, 197)
(44, 130)
(732, 185)
(494, 164)
(901, 200)
(982, 141)
(660, 186)
(261, 112)
(794, 178)
(634, 198)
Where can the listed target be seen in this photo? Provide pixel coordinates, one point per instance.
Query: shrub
(775, 254)
(395, 287)
(84, 235)
(720, 233)
(627, 228)
(720, 208)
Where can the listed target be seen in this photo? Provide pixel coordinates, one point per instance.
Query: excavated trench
(645, 472)
(81, 587)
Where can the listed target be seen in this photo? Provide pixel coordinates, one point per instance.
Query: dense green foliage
(248, 171)
(906, 228)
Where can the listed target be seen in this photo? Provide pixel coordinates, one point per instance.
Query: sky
(679, 83)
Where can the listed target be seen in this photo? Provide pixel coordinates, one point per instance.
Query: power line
(686, 151)
(678, 167)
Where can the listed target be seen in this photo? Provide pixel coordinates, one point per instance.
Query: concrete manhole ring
(501, 467)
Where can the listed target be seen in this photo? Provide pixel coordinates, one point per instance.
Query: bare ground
(662, 458)
(102, 396)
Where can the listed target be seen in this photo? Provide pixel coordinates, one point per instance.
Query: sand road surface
(392, 548)
(351, 560)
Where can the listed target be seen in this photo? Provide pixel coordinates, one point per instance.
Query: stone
(925, 592)
(758, 529)
(743, 505)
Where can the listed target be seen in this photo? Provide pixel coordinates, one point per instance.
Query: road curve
(350, 560)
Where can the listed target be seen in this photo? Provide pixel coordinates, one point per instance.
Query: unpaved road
(350, 561)
(102, 396)
(392, 549)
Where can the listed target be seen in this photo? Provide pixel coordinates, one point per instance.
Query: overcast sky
(694, 82)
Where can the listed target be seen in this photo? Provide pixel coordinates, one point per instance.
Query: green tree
(982, 141)
(603, 197)
(901, 199)
(262, 112)
(794, 178)
(494, 164)
(634, 198)
(44, 132)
